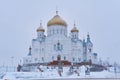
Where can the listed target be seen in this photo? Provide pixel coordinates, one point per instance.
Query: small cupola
(40, 28)
(74, 29)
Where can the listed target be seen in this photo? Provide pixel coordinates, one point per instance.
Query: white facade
(46, 48)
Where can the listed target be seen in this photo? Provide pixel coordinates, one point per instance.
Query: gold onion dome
(40, 29)
(56, 20)
(74, 29)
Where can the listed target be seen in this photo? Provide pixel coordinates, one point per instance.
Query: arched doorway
(58, 57)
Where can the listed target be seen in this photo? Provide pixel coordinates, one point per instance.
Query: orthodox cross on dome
(74, 29)
(74, 24)
(40, 22)
(40, 28)
(56, 10)
(29, 54)
(88, 34)
(84, 44)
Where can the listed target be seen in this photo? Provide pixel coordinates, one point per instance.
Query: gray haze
(19, 20)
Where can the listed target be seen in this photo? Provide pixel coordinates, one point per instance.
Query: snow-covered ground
(53, 73)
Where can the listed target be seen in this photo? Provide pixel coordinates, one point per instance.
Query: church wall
(46, 49)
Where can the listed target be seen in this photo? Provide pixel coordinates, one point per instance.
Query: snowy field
(52, 74)
(81, 79)
(69, 79)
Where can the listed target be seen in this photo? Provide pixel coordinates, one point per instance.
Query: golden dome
(56, 20)
(74, 29)
(40, 29)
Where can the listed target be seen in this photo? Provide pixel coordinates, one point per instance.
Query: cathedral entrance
(59, 62)
(58, 57)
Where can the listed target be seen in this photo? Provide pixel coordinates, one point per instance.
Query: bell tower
(74, 33)
(89, 46)
(40, 33)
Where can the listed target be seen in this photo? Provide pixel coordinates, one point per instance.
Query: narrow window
(64, 58)
(42, 59)
(73, 59)
(54, 47)
(52, 57)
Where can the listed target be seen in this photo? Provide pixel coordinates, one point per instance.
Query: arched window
(42, 58)
(79, 59)
(52, 57)
(61, 31)
(75, 36)
(54, 46)
(40, 35)
(61, 47)
(73, 59)
(64, 57)
(42, 49)
(58, 46)
(90, 50)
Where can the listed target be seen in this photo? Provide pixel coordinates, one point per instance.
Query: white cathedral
(57, 45)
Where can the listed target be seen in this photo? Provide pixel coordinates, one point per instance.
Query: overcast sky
(19, 20)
